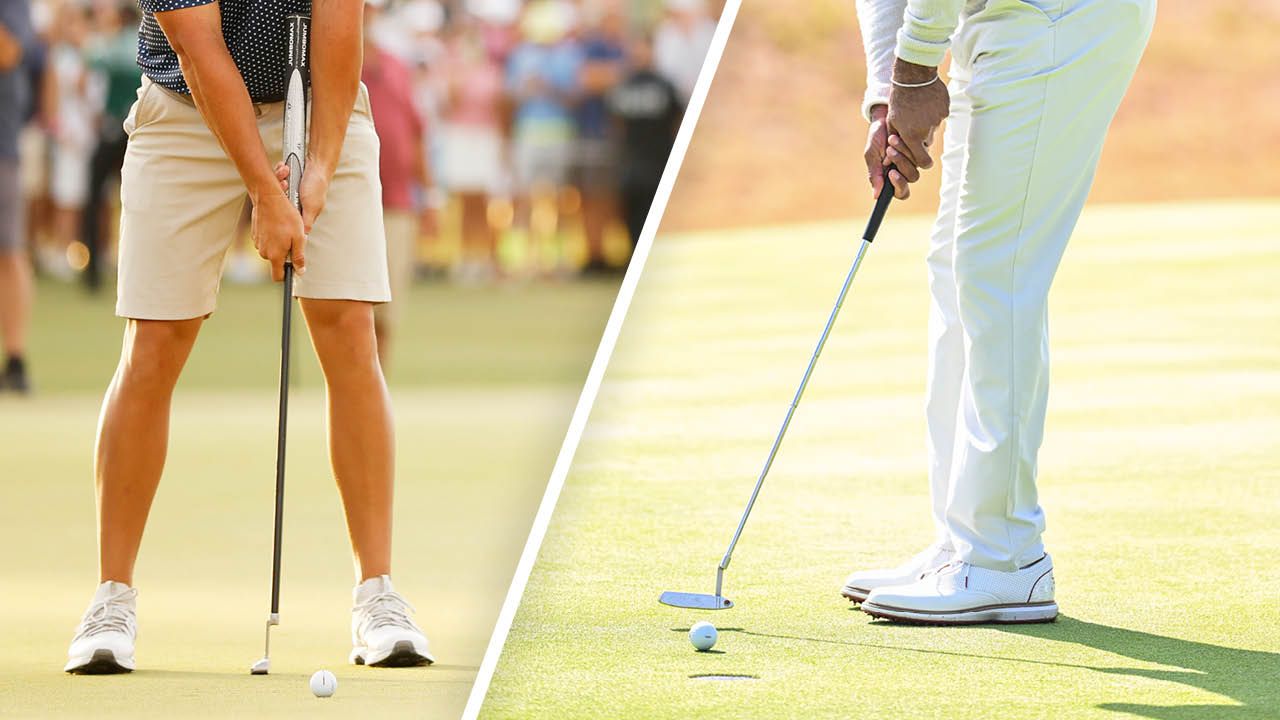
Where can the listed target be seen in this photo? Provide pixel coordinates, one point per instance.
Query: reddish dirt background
(780, 138)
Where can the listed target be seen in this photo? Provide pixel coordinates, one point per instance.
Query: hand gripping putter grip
(702, 601)
(297, 87)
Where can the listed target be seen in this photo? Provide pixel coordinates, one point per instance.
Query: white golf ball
(323, 683)
(703, 635)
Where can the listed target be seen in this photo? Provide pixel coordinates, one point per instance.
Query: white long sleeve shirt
(918, 31)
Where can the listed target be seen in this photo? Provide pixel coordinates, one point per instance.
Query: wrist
(319, 162)
(910, 73)
(878, 112)
(264, 191)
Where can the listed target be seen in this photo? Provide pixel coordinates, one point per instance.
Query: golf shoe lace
(114, 613)
(386, 609)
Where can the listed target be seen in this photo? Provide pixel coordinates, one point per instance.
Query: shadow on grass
(1249, 677)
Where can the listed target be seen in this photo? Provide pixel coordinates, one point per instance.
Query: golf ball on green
(323, 683)
(703, 635)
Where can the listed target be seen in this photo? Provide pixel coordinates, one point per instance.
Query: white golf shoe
(861, 583)
(103, 643)
(961, 594)
(382, 629)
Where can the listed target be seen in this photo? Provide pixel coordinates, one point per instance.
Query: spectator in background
(16, 38)
(112, 55)
(604, 55)
(499, 25)
(410, 30)
(648, 108)
(542, 80)
(681, 43)
(472, 149)
(402, 167)
(33, 140)
(69, 111)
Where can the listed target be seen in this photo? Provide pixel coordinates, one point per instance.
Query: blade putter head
(695, 601)
(262, 667)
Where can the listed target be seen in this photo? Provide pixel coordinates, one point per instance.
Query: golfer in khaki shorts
(203, 137)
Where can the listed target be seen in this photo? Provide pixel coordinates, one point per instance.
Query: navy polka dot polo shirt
(255, 33)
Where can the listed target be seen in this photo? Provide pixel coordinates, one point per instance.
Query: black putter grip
(298, 52)
(877, 215)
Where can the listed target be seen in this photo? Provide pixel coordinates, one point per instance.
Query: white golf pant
(1034, 86)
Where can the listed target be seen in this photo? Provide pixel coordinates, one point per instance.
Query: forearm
(223, 100)
(879, 21)
(927, 27)
(195, 34)
(337, 27)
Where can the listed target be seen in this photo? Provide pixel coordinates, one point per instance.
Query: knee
(343, 332)
(343, 320)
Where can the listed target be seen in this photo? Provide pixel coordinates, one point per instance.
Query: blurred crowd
(545, 125)
(521, 139)
(531, 142)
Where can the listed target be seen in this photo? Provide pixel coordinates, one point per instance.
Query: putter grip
(877, 214)
(297, 88)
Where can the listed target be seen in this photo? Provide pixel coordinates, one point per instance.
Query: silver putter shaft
(295, 149)
(702, 601)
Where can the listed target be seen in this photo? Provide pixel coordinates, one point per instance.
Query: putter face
(262, 667)
(695, 601)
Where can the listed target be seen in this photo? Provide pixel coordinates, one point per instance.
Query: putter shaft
(873, 226)
(295, 146)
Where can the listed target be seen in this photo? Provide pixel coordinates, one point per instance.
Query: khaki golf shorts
(181, 199)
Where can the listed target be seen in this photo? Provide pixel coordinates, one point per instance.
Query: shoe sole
(857, 595)
(990, 615)
(404, 654)
(103, 662)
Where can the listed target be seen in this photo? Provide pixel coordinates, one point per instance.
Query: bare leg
(597, 211)
(523, 221)
(133, 436)
(361, 437)
(382, 329)
(15, 301)
(477, 236)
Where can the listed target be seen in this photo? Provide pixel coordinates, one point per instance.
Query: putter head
(262, 667)
(695, 601)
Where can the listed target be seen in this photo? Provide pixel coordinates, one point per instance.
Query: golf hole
(723, 676)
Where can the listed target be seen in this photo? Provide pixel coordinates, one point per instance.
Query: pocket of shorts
(144, 112)
(363, 105)
(1050, 9)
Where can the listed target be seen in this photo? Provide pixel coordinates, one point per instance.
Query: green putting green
(1160, 476)
(484, 384)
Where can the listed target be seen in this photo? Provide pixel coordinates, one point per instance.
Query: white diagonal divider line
(598, 366)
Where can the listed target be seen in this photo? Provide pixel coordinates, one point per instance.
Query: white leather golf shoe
(861, 583)
(961, 594)
(382, 628)
(103, 643)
